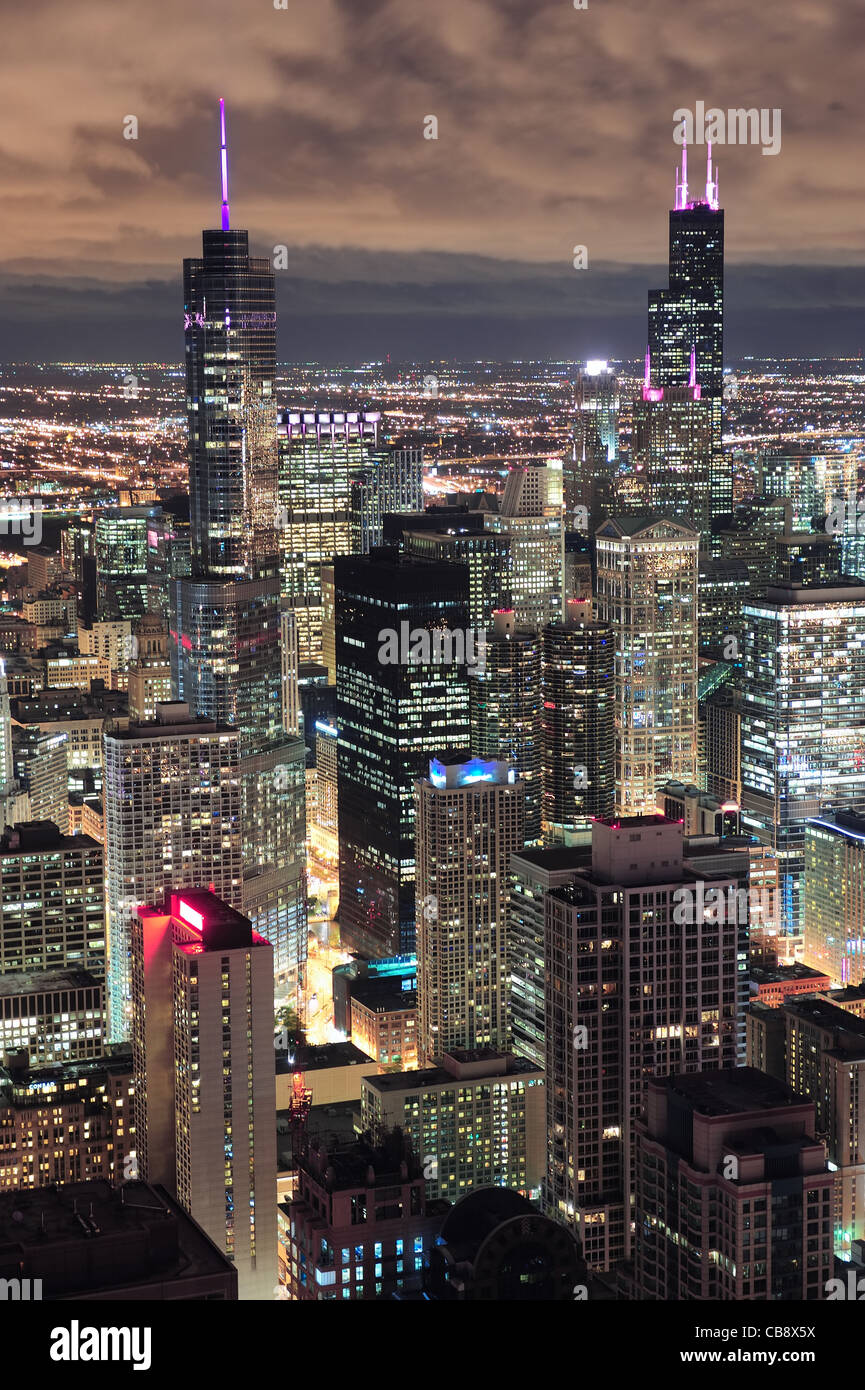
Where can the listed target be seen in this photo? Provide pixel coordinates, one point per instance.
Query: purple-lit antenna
(692, 379)
(647, 376)
(224, 160)
(682, 183)
(711, 183)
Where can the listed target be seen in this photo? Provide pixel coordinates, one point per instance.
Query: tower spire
(711, 183)
(224, 166)
(682, 180)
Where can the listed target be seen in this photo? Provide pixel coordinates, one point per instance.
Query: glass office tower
(578, 732)
(647, 583)
(121, 561)
(392, 716)
(686, 320)
(225, 616)
(505, 709)
(322, 457)
(803, 726)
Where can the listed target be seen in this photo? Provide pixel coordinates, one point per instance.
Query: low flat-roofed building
(360, 1225)
(90, 1241)
(384, 1022)
(333, 1072)
(476, 1119)
(88, 1105)
(774, 986)
(56, 1015)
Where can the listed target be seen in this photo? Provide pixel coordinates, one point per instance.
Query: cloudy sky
(555, 129)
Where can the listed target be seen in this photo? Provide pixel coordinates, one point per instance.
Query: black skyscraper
(394, 710)
(225, 615)
(686, 326)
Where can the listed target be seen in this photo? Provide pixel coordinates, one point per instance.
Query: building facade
(733, 1196)
(470, 819)
(643, 979)
(172, 820)
(202, 1048)
(647, 570)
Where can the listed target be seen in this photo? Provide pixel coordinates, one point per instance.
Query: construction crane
(298, 1114)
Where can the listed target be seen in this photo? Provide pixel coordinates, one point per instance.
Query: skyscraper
(470, 819)
(172, 820)
(52, 901)
(7, 770)
(202, 1048)
(487, 556)
(686, 327)
(802, 702)
(504, 707)
(531, 517)
(834, 896)
(578, 732)
(149, 677)
(41, 786)
(323, 458)
(168, 558)
(824, 1059)
(121, 561)
(292, 720)
(389, 483)
(742, 1144)
(589, 469)
(597, 402)
(501, 1104)
(225, 616)
(533, 872)
(230, 327)
(227, 613)
(672, 451)
(647, 580)
(643, 978)
(395, 707)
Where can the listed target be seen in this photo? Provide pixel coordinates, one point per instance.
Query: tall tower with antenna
(686, 323)
(225, 616)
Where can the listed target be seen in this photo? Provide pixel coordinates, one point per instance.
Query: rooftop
(383, 994)
(634, 822)
(42, 981)
(731, 1092)
(783, 974)
(479, 1065)
(18, 1074)
(35, 835)
(218, 927)
(633, 525)
(556, 857)
(86, 1237)
(173, 720)
(309, 1058)
(361, 1163)
(847, 1028)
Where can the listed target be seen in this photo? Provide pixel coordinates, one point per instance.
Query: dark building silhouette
(495, 1246)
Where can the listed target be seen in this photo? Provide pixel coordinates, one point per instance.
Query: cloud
(555, 129)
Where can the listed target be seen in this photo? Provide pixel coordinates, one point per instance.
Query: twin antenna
(223, 154)
(711, 198)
